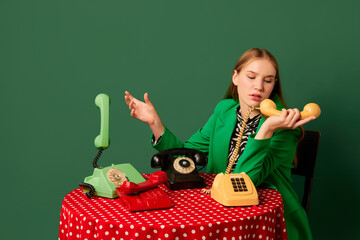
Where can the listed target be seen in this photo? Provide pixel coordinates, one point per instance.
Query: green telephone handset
(102, 101)
(105, 179)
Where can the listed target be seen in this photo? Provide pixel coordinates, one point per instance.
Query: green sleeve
(199, 141)
(261, 157)
(167, 141)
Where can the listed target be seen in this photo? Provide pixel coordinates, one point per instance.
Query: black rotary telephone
(180, 167)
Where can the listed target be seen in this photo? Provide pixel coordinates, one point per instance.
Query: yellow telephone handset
(268, 108)
(234, 189)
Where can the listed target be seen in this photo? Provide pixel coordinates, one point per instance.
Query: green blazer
(268, 162)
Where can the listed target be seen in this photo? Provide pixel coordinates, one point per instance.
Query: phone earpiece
(200, 159)
(156, 161)
(310, 109)
(268, 108)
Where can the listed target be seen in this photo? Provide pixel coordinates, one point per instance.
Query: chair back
(306, 154)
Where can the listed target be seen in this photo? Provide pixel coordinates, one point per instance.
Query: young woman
(268, 144)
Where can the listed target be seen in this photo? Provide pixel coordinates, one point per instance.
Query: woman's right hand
(145, 111)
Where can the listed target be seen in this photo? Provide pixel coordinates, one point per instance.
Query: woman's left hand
(289, 119)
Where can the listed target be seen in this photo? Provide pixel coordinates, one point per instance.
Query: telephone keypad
(239, 184)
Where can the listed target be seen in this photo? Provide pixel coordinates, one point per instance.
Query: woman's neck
(245, 108)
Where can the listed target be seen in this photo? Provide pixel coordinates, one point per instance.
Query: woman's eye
(251, 77)
(268, 80)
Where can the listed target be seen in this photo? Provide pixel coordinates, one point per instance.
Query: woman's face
(254, 82)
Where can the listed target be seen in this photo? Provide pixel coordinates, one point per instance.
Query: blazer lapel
(224, 129)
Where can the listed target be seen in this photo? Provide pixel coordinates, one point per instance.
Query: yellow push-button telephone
(234, 189)
(237, 189)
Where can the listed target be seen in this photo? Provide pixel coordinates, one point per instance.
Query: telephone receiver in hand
(268, 108)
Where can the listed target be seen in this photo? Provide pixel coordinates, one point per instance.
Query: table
(193, 216)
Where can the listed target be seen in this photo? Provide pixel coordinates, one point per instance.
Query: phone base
(233, 190)
(106, 179)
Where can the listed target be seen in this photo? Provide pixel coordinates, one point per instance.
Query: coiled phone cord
(97, 158)
(91, 193)
(238, 141)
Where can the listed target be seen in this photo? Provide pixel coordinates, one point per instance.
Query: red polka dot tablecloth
(193, 216)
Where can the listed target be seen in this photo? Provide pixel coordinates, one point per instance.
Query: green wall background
(56, 56)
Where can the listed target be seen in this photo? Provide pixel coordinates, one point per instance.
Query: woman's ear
(235, 77)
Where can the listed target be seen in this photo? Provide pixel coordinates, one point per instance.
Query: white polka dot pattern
(193, 216)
